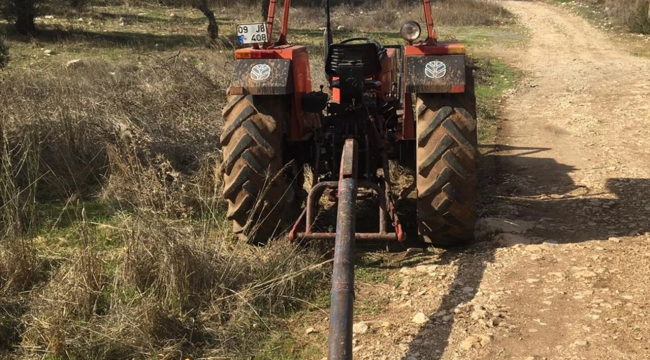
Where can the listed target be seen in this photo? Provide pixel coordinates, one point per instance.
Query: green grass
(286, 346)
(369, 274)
(493, 79)
(371, 306)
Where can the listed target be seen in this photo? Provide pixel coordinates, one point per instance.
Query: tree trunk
(78, 4)
(213, 28)
(265, 9)
(25, 14)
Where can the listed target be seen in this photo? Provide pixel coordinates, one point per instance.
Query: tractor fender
(262, 77)
(434, 74)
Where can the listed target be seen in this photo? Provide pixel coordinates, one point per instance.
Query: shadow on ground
(110, 39)
(520, 184)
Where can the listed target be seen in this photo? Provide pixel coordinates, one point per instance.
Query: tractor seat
(363, 58)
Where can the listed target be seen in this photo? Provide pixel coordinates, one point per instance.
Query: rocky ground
(562, 266)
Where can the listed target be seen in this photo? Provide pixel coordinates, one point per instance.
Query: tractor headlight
(410, 31)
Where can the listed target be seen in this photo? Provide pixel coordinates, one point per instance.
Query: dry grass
(390, 14)
(173, 289)
(113, 242)
(631, 14)
(164, 108)
(162, 276)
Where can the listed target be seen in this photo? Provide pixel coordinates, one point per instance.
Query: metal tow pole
(342, 295)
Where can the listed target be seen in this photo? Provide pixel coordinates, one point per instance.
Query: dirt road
(566, 209)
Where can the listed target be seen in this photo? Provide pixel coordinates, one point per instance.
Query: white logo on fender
(435, 69)
(260, 72)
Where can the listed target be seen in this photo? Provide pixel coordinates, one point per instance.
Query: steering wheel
(381, 51)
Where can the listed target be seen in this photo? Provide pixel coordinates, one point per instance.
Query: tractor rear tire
(446, 166)
(259, 198)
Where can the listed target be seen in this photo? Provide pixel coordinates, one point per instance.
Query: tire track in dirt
(564, 268)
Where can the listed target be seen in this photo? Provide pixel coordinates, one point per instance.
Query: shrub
(639, 20)
(632, 14)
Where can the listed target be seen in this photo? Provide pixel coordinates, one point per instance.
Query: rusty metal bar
(315, 195)
(269, 24)
(285, 23)
(357, 236)
(432, 37)
(342, 295)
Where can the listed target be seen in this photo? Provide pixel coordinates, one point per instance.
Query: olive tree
(22, 13)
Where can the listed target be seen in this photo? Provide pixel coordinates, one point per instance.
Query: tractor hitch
(387, 209)
(342, 295)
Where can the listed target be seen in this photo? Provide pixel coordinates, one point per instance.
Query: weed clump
(159, 275)
(633, 15)
(639, 20)
(390, 14)
(172, 288)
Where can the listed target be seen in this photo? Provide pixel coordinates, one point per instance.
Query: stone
(479, 313)
(420, 318)
(310, 330)
(470, 342)
(75, 64)
(584, 274)
(360, 328)
(489, 226)
(507, 239)
(484, 339)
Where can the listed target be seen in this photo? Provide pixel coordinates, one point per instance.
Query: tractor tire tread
(253, 186)
(446, 166)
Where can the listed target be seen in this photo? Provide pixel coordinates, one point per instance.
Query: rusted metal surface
(262, 77)
(386, 210)
(349, 163)
(342, 295)
(432, 37)
(285, 24)
(269, 23)
(357, 236)
(313, 197)
(425, 74)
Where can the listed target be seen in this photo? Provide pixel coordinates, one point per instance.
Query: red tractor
(413, 103)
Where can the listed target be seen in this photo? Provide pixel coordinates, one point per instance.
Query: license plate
(251, 33)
